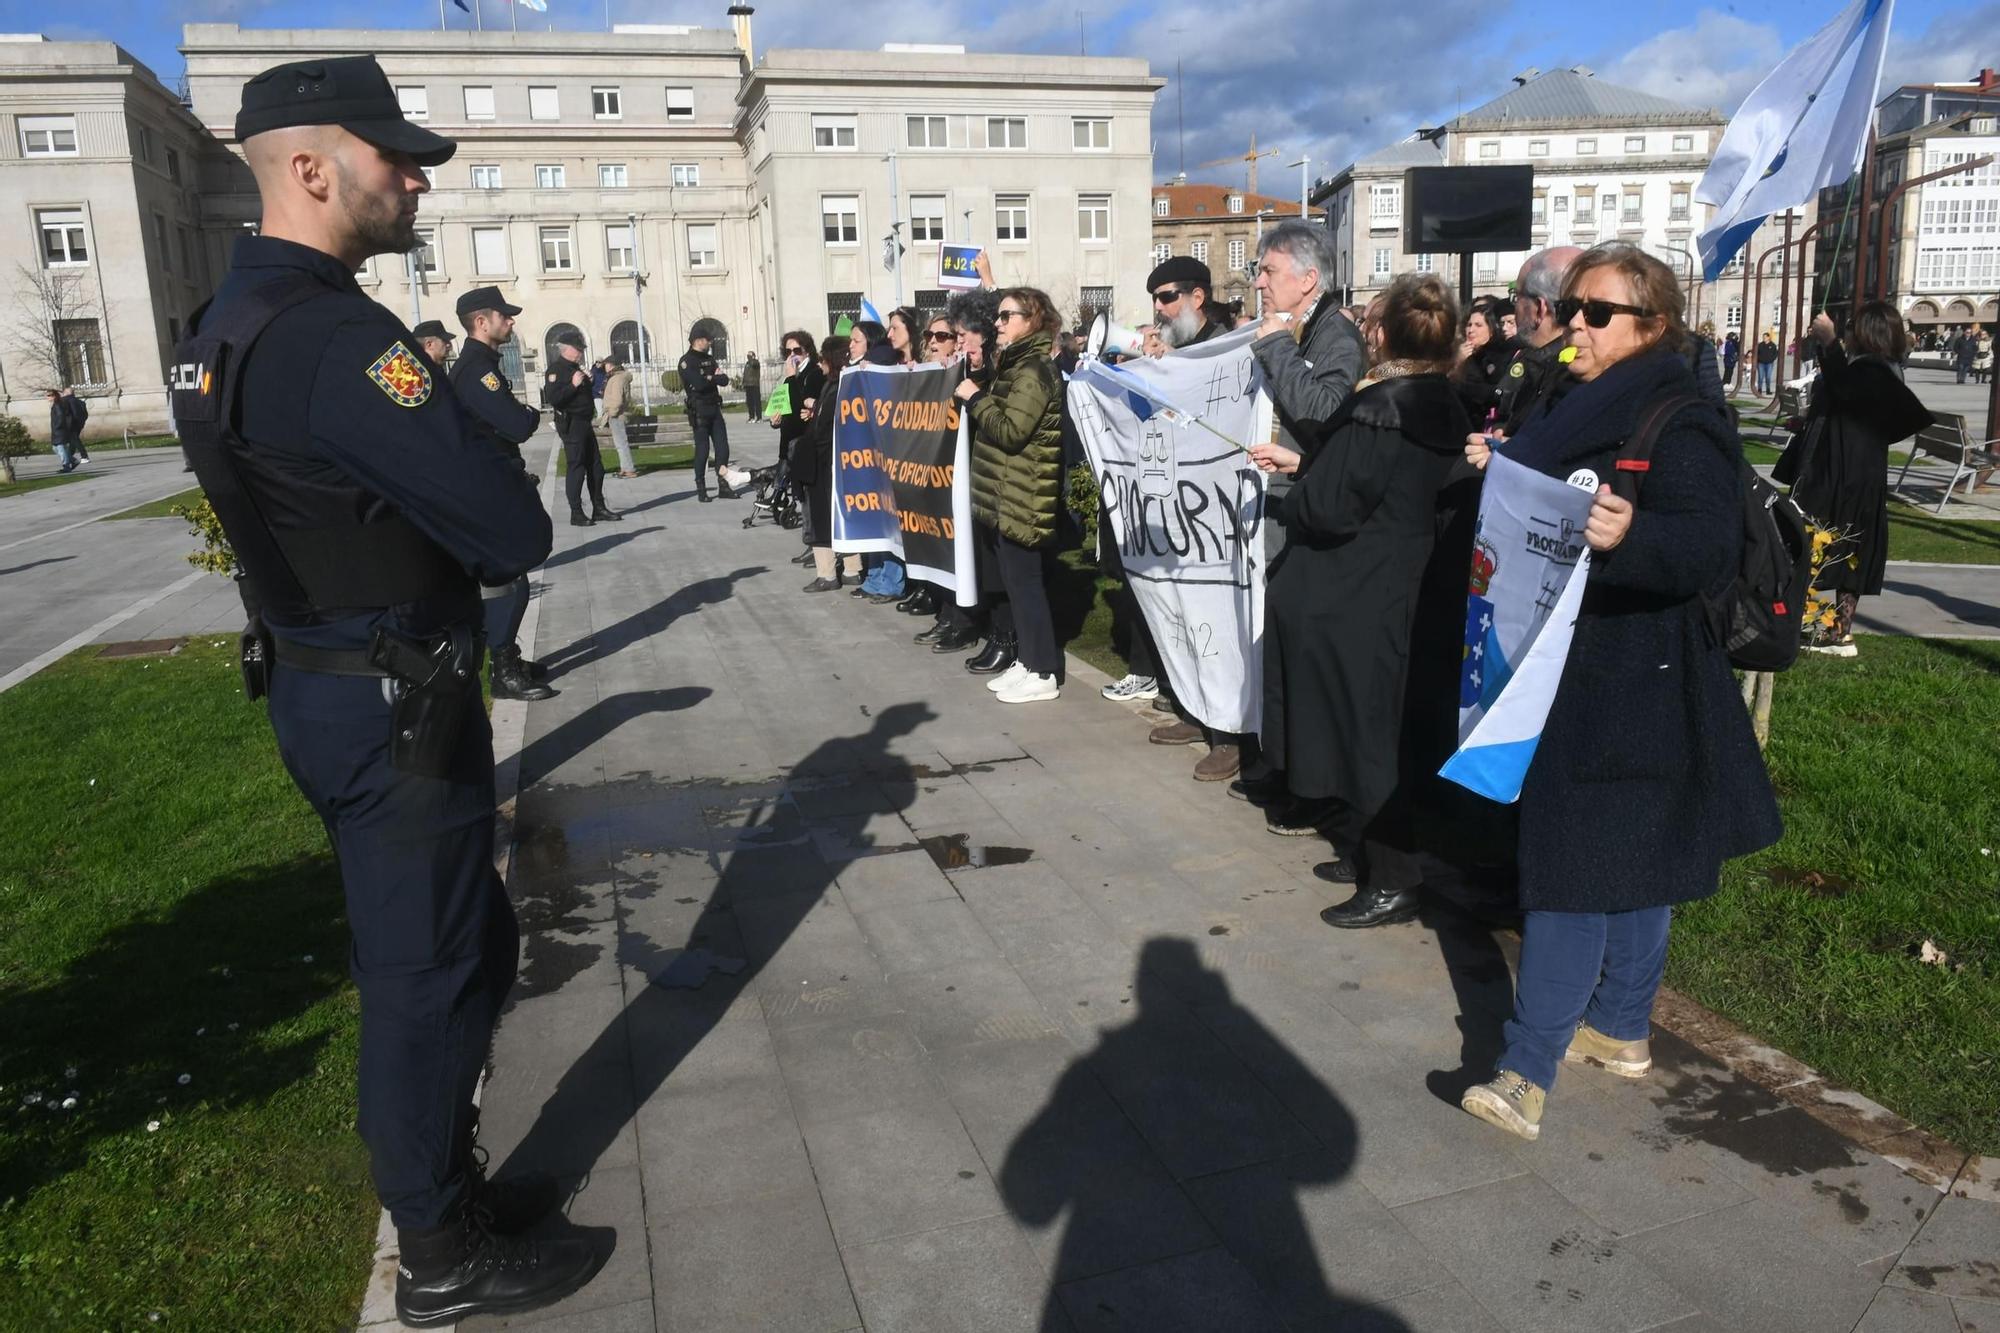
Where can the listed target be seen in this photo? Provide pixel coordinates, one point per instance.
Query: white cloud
(1713, 63)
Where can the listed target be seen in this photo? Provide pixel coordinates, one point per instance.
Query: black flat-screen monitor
(1467, 210)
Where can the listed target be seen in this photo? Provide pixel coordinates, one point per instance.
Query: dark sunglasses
(1167, 295)
(793, 349)
(1597, 314)
(937, 337)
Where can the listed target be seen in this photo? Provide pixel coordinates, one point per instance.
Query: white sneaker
(1006, 678)
(1131, 687)
(1029, 688)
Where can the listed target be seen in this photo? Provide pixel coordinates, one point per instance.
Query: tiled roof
(1564, 95)
(1186, 202)
(1415, 151)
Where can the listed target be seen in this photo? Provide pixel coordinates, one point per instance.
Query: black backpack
(1757, 619)
(78, 411)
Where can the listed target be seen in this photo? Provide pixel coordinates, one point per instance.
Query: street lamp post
(639, 318)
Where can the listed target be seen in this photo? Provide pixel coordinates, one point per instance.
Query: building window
(1160, 205)
(702, 244)
(1091, 302)
(489, 251)
(48, 136)
(542, 104)
(1538, 148)
(606, 104)
(414, 101)
(618, 247)
(1093, 217)
(1683, 143)
(1586, 208)
(1538, 208)
(1200, 251)
(160, 242)
(1006, 132)
(1629, 206)
(430, 176)
(680, 103)
(840, 304)
(426, 253)
(1235, 203)
(558, 250)
(478, 102)
(1010, 217)
(1635, 143)
(1382, 255)
(1562, 203)
(839, 219)
(612, 176)
(925, 131)
(63, 241)
(1486, 265)
(1162, 253)
(186, 240)
(1425, 263)
(1489, 148)
(687, 175)
(1677, 207)
(1385, 204)
(926, 217)
(1607, 204)
(833, 134)
(550, 177)
(174, 166)
(142, 143)
(80, 351)
(1090, 135)
(1586, 147)
(486, 176)
(1238, 256)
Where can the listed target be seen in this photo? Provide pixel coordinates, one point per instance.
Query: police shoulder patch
(491, 381)
(401, 374)
(1516, 370)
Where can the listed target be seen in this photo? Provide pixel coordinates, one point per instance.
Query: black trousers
(711, 435)
(505, 609)
(1381, 843)
(586, 467)
(435, 942)
(1019, 574)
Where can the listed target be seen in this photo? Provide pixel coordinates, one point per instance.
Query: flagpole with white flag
(1803, 128)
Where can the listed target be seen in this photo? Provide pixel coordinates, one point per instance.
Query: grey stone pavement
(1004, 1023)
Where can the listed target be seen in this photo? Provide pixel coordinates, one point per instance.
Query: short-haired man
(566, 389)
(1536, 370)
(1310, 350)
(505, 422)
(702, 381)
(435, 340)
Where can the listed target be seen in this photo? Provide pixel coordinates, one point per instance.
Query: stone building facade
(1218, 225)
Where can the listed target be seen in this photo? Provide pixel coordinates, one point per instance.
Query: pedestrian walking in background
(1732, 352)
(753, 387)
(79, 413)
(618, 397)
(1767, 363)
(598, 375)
(62, 434)
(1982, 363)
(1964, 352)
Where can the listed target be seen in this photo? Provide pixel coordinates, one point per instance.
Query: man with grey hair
(1542, 337)
(1310, 350)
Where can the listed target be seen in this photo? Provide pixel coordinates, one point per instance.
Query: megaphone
(1105, 336)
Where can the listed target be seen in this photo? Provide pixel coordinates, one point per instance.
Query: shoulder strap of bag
(1635, 456)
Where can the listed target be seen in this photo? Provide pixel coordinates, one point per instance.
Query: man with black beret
(567, 391)
(1180, 290)
(365, 511)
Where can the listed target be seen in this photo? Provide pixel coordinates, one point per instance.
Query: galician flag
(868, 311)
(1803, 128)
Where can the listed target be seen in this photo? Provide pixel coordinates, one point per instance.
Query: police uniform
(573, 403)
(700, 379)
(506, 423)
(365, 511)
(434, 328)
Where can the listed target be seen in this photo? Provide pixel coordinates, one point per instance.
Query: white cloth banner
(1186, 505)
(1529, 568)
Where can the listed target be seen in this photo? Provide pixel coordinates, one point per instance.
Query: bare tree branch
(41, 298)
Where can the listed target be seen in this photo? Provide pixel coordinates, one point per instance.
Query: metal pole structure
(1804, 298)
(1304, 165)
(1180, 113)
(1753, 317)
(1785, 309)
(895, 229)
(1889, 202)
(639, 316)
(1746, 333)
(479, 13)
(416, 302)
(1861, 225)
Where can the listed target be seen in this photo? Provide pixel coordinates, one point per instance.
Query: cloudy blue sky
(1333, 78)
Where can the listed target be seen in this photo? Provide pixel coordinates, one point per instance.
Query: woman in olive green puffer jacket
(1016, 494)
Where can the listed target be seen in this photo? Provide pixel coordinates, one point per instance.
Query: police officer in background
(567, 390)
(435, 340)
(365, 511)
(506, 423)
(702, 382)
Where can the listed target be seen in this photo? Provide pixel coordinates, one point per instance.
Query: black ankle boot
(579, 519)
(955, 640)
(600, 514)
(512, 1205)
(465, 1268)
(1373, 907)
(512, 681)
(998, 656)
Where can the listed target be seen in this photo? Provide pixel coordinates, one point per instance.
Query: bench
(1946, 439)
(1792, 404)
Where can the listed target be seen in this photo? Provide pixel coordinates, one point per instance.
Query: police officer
(435, 340)
(365, 512)
(702, 382)
(506, 423)
(566, 389)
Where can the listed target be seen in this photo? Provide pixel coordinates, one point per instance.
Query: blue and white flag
(1529, 567)
(1803, 128)
(868, 311)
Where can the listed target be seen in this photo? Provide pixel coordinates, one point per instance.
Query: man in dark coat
(62, 431)
(1310, 351)
(566, 390)
(1536, 370)
(1767, 363)
(1732, 352)
(1964, 351)
(753, 387)
(702, 381)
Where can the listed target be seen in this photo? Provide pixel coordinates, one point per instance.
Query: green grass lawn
(645, 457)
(1918, 534)
(168, 907)
(159, 508)
(25, 484)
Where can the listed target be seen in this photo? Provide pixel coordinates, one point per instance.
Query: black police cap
(351, 92)
(485, 298)
(571, 338)
(1180, 268)
(433, 328)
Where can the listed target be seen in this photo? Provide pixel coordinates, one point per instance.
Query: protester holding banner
(812, 465)
(1360, 522)
(803, 381)
(871, 343)
(1016, 490)
(971, 316)
(1646, 776)
(940, 348)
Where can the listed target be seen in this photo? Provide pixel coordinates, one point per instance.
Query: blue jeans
(1764, 378)
(64, 456)
(886, 577)
(1601, 968)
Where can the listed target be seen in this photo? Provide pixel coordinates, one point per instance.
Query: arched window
(551, 350)
(632, 345)
(718, 337)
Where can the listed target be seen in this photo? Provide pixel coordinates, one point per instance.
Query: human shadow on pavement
(1484, 987)
(567, 740)
(602, 643)
(596, 546)
(1273, 1276)
(772, 876)
(35, 564)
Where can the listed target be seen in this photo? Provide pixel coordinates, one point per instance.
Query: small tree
(15, 442)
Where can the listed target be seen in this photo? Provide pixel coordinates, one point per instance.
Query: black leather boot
(998, 656)
(512, 681)
(955, 640)
(465, 1268)
(578, 519)
(513, 1205)
(930, 633)
(1373, 907)
(922, 602)
(536, 671)
(599, 513)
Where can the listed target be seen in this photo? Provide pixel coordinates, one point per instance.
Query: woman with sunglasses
(812, 464)
(938, 345)
(803, 379)
(1016, 490)
(969, 315)
(1647, 777)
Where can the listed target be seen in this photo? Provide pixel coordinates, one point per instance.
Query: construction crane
(1249, 157)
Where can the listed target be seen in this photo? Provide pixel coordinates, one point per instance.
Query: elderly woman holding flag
(1646, 777)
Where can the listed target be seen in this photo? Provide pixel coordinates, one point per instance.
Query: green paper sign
(842, 327)
(780, 401)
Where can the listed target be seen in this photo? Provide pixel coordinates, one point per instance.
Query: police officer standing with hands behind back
(365, 511)
(567, 390)
(701, 381)
(506, 423)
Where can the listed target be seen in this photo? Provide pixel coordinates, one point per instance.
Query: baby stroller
(776, 500)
